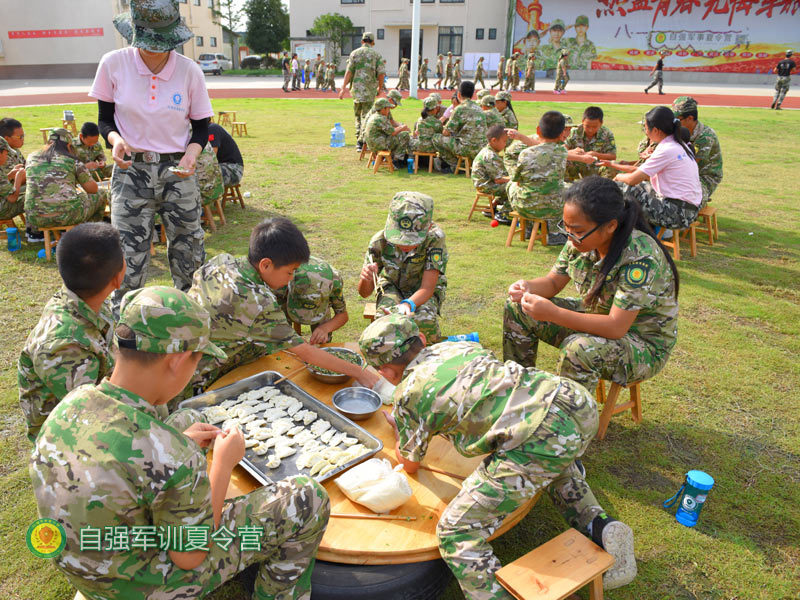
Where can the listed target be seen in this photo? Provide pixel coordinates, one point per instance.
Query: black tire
(413, 581)
(218, 72)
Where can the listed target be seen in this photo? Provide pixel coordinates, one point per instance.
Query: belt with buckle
(154, 158)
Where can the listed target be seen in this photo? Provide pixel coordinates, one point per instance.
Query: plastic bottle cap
(11, 230)
(700, 480)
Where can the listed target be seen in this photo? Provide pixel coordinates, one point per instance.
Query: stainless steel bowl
(357, 403)
(338, 378)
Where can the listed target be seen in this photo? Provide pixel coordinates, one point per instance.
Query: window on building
(380, 33)
(352, 1)
(452, 1)
(211, 4)
(198, 40)
(492, 33)
(479, 33)
(197, 2)
(451, 40)
(212, 41)
(422, 1)
(183, 1)
(352, 41)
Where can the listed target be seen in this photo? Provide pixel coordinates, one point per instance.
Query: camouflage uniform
(532, 425)
(708, 152)
(426, 129)
(492, 116)
(93, 153)
(530, 73)
(365, 65)
(69, 347)
(640, 280)
(379, 136)
(315, 289)
(511, 157)
(562, 76)
(467, 127)
(782, 84)
(602, 142)
(106, 459)
(581, 53)
(511, 67)
(307, 72)
(488, 166)
(500, 74)
(507, 113)
(439, 71)
(549, 54)
(52, 197)
(660, 211)
(422, 77)
(247, 321)
(330, 77)
(479, 73)
(209, 176)
(400, 273)
(517, 67)
(9, 210)
(457, 74)
(320, 71)
(403, 76)
(232, 173)
(448, 71)
(535, 188)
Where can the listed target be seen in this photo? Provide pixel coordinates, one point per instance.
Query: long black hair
(663, 119)
(57, 146)
(601, 200)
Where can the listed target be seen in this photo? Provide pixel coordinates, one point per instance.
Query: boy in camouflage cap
(409, 258)
(107, 443)
(382, 134)
(90, 152)
(489, 175)
(71, 344)
(533, 426)
(493, 117)
(707, 150)
(11, 185)
(316, 289)
(425, 128)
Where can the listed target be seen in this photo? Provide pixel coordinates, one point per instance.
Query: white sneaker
(667, 235)
(618, 542)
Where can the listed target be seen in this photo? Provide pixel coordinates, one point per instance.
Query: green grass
(726, 402)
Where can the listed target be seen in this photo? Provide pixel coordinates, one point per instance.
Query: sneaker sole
(618, 542)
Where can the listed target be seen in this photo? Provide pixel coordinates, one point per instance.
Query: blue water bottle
(337, 136)
(14, 241)
(464, 337)
(691, 497)
(410, 164)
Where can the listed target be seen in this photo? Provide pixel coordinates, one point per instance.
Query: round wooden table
(371, 541)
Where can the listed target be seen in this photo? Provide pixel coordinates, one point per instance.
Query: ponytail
(424, 113)
(601, 200)
(663, 119)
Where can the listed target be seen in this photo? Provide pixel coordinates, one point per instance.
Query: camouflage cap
(557, 24)
(310, 291)
(436, 95)
(449, 54)
(167, 321)
(683, 105)
(387, 338)
(564, 52)
(568, 122)
(582, 20)
(430, 103)
(502, 57)
(487, 100)
(60, 134)
(441, 56)
(154, 25)
(484, 92)
(503, 95)
(395, 97)
(410, 215)
(382, 103)
(367, 36)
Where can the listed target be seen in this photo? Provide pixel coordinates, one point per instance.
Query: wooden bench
(379, 159)
(430, 155)
(56, 233)
(675, 241)
(70, 126)
(476, 206)
(465, 165)
(370, 308)
(239, 128)
(539, 228)
(557, 569)
(208, 214)
(45, 131)
(233, 193)
(610, 406)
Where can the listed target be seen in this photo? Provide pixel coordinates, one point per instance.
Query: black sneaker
(616, 538)
(399, 164)
(773, 104)
(645, 91)
(503, 220)
(488, 214)
(445, 169)
(34, 237)
(359, 146)
(556, 239)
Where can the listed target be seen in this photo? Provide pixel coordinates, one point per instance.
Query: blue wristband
(411, 304)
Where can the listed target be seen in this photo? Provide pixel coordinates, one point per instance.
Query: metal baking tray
(255, 464)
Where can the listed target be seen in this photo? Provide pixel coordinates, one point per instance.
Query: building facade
(47, 39)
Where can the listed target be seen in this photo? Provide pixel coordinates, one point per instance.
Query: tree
(267, 25)
(229, 14)
(333, 27)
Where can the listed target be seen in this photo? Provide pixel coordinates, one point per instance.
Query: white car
(214, 63)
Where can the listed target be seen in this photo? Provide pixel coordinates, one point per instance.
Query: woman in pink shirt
(154, 111)
(671, 198)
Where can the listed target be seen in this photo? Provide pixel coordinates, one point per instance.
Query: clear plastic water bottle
(691, 497)
(337, 136)
(14, 241)
(464, 337)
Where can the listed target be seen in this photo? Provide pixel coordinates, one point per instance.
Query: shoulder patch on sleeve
(635, 274)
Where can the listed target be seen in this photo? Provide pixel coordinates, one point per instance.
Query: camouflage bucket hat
(387, 338)
(683, 105)
(60, 134)
(487, 100)
(309, 292)
(395, 96)
(154, 25)
(410, 215)
(382, 103)
(504, 95)
(367, 36)
(166, 321)
(558, 24)
(430, 103)
(582, 20)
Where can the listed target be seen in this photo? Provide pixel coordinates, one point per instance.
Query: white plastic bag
(376, 485)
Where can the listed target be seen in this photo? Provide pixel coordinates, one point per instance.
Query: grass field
(726, 403)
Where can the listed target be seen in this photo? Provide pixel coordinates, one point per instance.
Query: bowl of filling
(357, 403)
(327, 376)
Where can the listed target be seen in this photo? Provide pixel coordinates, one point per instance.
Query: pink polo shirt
(152, 111)
(673, 173)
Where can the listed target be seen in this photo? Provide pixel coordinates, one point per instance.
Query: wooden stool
(384, 157)
(70, 125)
(611, 407)
(539, 228)
(364, 150)
(162, 238)
(675, 241)
(558, 568)
(10, 223)
(224, 117)
(56, 231)
(209, 218)
(208, 214)
(463, 164)
(234, 194)
(239, 128)
(370, 308)
(430, 155)
(476, 206)
(709, 225)
(45, 133)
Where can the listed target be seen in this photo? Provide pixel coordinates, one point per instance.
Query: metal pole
(414, 48)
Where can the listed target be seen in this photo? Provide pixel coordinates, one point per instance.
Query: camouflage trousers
(548, 207)
(500, 80)
(450, 148)
(422, 81)
(296, 80)
(426, 316)
(320, 83)
(9, 210)
(562, 78)
(399, 145)
(506, 480)
(479, 79)
(232, 173)
(404, 83)
(308, 81)
(583, 357)
(498, 190)
(360, 109)
(137, 194)
(330, 83)
(578, 170)
(530, 82)
(287, 79)
(658, 79)
(781, 88)
(660, 211)
(85, 207)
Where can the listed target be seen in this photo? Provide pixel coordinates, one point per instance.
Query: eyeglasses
(563, 229)
(20, 136)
